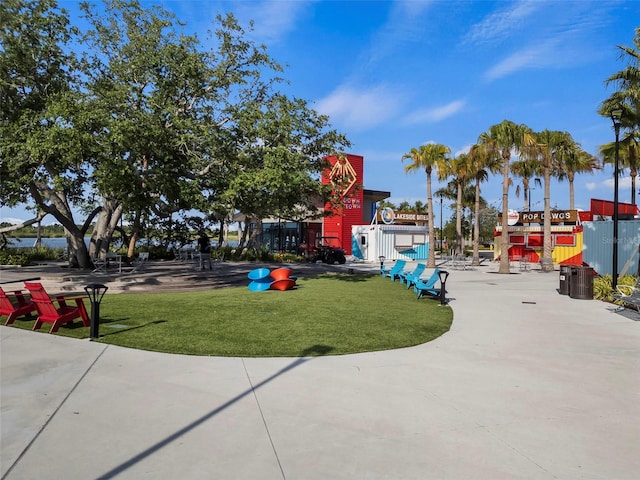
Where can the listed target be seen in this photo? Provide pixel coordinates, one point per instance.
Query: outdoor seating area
(113, 263)
(412, 278)
(457, 261)
(58, 311)
(395, 271)
(200, 261)
(15, 304)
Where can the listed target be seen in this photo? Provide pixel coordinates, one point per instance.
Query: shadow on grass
(312, 351)
(342, 277)
(126, 328)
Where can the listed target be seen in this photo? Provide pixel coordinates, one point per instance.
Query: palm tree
(548, 149)
(572, 159)
(626, 97)
(427, 157)
(628, 158)
(526, 169)
(499, 141)
(480, 165)
(457, 169)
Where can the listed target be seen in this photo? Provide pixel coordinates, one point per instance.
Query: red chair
(57, 316)
(22, 307)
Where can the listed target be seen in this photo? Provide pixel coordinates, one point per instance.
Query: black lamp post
(95, 291)
(616, 117)
(381, 258)
(441, 236)
(442, 275)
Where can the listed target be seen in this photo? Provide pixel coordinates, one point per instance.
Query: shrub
(26, 256)
(603, 290)
(12, 257)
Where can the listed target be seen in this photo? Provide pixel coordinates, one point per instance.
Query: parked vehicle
(327, 251)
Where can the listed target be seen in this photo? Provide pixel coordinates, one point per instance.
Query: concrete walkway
(527, 384)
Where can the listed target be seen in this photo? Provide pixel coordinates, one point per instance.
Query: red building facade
(346, 173)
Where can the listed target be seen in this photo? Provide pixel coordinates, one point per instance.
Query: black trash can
(565, 279)
(581, 286)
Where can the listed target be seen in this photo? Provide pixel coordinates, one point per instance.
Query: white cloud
(436, 114)
(540, 55)
(273, 19)
(503, 22)
(624, 185)
(464, 149)
(360, 109)
(11, 220)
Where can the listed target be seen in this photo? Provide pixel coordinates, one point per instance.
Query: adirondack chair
(139, 262)
(395, 271)
(22, 307)
(57, 316)
(427, 287)
(409, 278)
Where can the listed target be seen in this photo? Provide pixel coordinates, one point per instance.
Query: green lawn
(329, 314)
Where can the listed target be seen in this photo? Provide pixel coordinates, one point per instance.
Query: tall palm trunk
(572, 202)
(476, 227)
(431, 257)
(547, 262)
(504, 236)
(633, 172)
(459, 237)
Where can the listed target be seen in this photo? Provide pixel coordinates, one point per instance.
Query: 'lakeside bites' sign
(389, 216)
(557, 216)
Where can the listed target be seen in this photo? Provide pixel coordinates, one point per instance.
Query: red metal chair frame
(23, 307)
(57, 316)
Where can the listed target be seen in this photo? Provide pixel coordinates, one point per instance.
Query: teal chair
(410, 277)
(395, 270)
(427, 287)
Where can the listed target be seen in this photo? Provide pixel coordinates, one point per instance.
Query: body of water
(56, 242)
(61, 242)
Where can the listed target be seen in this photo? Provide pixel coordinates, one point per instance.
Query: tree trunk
(255, 235)
(135, 235)
(106, 224)
(547, 261)
(431, 257)
(572, 201)
(459, 238)
(245, 233)
(476, 227)
(504, 235)
(633, 171)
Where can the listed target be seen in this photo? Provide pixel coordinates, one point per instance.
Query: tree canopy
(144, 122)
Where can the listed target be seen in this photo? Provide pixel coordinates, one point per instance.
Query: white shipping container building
(394, 242)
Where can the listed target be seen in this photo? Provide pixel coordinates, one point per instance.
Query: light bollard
(95, 291)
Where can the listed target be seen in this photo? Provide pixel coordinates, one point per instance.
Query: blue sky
(395, 75)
